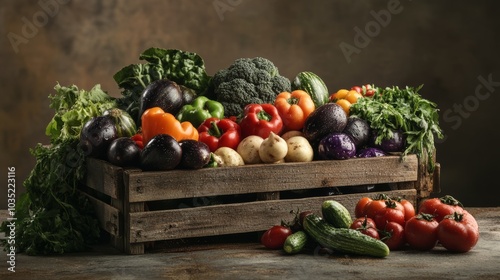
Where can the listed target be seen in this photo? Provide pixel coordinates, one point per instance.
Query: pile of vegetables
(173, 115)
(381, 224)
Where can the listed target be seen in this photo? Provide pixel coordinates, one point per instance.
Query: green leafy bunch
(394, 108)
(52, 216)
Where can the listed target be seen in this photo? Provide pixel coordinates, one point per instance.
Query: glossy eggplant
(162, 152)
(327, 118)
(162, 93)
(195, 154)
(96, 136)
(124, 152)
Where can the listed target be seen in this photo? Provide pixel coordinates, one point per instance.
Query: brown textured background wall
(450, 47)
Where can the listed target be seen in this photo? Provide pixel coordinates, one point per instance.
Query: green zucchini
(343, 240)
(312, 84)
(295, 242)
(336, 214)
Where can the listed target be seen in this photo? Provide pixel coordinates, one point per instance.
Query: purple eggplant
(370, 152)
(394, 144)
(337, 145)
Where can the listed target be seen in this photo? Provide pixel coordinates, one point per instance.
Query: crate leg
(117, 240)
(133, 248)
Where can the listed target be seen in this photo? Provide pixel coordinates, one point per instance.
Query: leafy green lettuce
(52, 216)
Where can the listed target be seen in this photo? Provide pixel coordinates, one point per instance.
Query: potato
(249, 149)
(228, 157)
(287, 135)
(299, 150)
(273, 149)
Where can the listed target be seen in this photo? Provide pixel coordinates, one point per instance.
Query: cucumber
(295, 242)
(336, 214)
(312, 84)
(343, 240)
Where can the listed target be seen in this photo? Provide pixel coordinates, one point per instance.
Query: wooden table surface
(249, 260)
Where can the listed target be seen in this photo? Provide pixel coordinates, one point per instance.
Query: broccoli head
(248, 80)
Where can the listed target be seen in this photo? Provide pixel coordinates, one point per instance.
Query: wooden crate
(137, 208)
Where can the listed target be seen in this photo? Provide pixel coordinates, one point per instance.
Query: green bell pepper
(199, 110)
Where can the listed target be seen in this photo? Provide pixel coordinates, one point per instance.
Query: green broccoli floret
(248, 80)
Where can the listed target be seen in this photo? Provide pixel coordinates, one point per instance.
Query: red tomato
(392, 212)
(457, 234)
(409, 209)
(468, 218)
(421, 232)
(393, 236)
(275, 237)
(440, 207)
(366, 226)
(372, 208)
(359, 210)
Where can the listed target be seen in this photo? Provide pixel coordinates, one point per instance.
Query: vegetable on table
(393, 235)
(155, 121)
(218, 133)
(260, 120)
(295, 242)
(440, 207)
(456, 233)
(294, 108)
(199, 110)
(366, 226)
(275, 237)
(421, 232)
(246, 81)
(343, 240)
(336, 214)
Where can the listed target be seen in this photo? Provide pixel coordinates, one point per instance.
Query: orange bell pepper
(156, 121)
(294, 108)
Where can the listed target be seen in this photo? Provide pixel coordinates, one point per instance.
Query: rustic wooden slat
(147, 186)
(231, 218)
(108, 216)
(104, 177)
(130, 207)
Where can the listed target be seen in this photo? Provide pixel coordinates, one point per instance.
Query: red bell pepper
(218, 133)
(260, 120)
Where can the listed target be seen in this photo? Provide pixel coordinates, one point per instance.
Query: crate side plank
(148, 186)
(231, 218)
(104, 177)
(107, 216)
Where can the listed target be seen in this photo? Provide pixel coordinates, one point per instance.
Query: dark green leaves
(393, 108)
